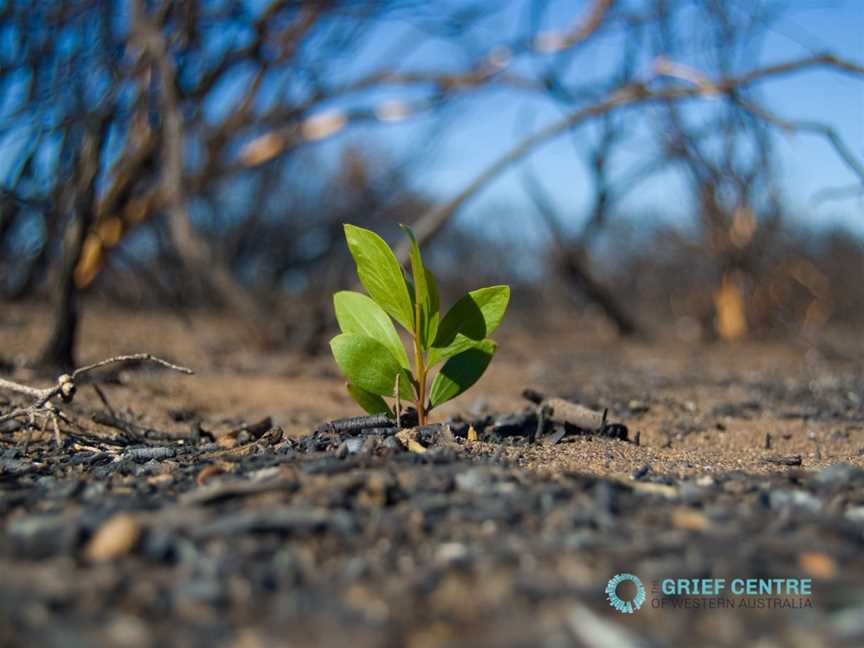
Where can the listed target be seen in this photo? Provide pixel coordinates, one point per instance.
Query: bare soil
(222, 528)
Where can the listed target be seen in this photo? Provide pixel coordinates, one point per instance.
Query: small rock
(474, 480)
(839, 435)
(818, 564)
(642, 472)
(691, 492)
(205, 589)
(458, 427)
(116, 538)
(354, 445)
(370, 444)
(855, 514)
(835, 475)
(40, 536)
(127, 631)
(149, 453)
(555, 438)
(16, 467)
(207, 473)
(705, 481)
(523, 423)
(7, 427)
(408, 438)
(392, 443)
(848, 624)
(451, 552)
(689, 519)
(154, 467)
(380, 431)
(430, 435)
(638, 407)
(780, 499)
(264, 474)
(342, 450)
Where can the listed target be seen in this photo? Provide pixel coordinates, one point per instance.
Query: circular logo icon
(625, 607)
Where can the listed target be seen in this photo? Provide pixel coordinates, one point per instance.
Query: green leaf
(425, 292)
(371, 403)
(369, 365)
(358, 314)
(460, 372)
(472, 319)
(380, 274)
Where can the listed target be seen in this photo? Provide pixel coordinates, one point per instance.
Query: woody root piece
(573, 415)
(66, 387)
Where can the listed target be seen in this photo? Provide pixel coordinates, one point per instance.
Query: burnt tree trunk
(579, 276)
(60, 350)
(8, 214)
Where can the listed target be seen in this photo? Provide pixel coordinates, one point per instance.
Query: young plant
(370, 352)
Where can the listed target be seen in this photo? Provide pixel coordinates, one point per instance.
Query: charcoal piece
(458, 427)
(392, 443)
(837, 475)
(16, 467)
(380, 431)
(642, 472)
(253, 431)
(555, 438)
(788, 460)
(146, 454)
(521, 424)
(358, 424)
(349, 446)
(10, 426)
(540, 428)
(43, 535)
(428, 435)
(533, 395)
(615, 431)
(743, 410)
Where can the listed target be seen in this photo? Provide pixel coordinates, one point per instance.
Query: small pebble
(116, 538)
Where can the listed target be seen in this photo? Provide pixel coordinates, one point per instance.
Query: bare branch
(838, 193)
(126, 359)
(629, 95)
(818, 128)
(67, 384)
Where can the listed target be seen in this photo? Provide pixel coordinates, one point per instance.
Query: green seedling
(370, 352)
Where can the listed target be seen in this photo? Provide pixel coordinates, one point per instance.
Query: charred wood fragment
(358, 424)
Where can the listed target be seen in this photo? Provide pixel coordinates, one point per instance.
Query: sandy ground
(698, 408)
(498, 542)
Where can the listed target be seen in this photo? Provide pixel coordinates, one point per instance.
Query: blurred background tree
(205, 153)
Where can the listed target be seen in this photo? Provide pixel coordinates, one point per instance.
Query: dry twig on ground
(66, 387)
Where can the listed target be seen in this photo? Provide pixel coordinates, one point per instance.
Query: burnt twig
(572, 415)
(66, 387)
(357, 424)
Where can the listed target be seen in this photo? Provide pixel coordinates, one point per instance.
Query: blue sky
(482, 127)
(489, 125)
